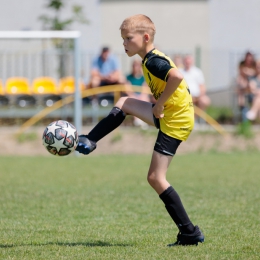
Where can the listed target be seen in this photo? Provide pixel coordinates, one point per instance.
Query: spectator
(254, 85)
(254, 82)
(136, 78)
(195, 80)
(243, 89)
(246, 94)
(177, 59)
(248, 65)
(105, 71)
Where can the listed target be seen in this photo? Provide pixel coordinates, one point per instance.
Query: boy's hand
(158, 110)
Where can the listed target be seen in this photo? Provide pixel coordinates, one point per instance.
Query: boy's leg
(160, 162)
(124, 106)
(139, 108)
(171, 199)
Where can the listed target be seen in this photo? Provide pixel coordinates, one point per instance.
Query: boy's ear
(146, 37)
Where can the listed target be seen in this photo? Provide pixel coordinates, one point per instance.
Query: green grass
(101, 207)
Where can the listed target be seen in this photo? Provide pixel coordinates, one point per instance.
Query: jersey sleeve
(159, 67)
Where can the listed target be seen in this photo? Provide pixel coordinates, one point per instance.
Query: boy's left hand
(158, 111)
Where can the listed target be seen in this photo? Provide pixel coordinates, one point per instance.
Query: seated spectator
(243, 89)
(105, 71)
(178, 61)
(248, 65)
(195, 80)
(254, 82)
(254, 85)
(246, 72)
(136, 78)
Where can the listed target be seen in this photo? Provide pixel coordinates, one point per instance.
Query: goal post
(75, 36)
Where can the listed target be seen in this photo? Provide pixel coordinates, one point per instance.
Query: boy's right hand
(158, 110)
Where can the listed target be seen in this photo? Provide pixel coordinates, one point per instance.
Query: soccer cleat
(189, 239)
(85, 145)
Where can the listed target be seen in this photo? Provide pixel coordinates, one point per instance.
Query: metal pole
(198, 56)
(78, 100)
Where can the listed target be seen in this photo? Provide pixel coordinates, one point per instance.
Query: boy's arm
(174, 80)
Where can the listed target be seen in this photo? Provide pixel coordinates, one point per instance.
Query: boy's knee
(121, 101)
(152, 180)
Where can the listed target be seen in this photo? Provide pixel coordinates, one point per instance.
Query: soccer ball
(60, 138)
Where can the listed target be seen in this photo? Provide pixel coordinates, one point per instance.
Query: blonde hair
(139, 23)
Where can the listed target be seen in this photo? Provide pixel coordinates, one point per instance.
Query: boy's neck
(147, 49)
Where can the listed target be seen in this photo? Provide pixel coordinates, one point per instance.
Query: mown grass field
(101, 207)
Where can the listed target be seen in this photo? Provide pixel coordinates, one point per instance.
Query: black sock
(176, 210)
(107, 124)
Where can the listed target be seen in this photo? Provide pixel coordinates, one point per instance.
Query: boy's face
(133, 42)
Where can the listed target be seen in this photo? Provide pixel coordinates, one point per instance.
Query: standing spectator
(105, 71)
(195, 79)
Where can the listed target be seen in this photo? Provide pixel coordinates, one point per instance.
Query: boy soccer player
(172, 114)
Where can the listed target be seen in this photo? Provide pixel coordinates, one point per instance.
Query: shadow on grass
(86, 244)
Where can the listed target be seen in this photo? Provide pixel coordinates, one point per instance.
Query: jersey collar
(148, 54)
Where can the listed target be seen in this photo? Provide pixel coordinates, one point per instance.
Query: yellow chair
(67, 85)
(19, 89)
(17, 86)
(44, 85)
(2, 92)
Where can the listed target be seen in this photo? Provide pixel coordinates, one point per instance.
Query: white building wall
(23, 15)
(224, 29)
(181, 25)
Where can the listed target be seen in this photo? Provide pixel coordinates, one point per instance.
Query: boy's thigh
(137, 108)
(165, 144)
(159, 164)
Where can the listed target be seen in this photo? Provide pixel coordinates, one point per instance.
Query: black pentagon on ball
(64, 151)
(60, 133)
(72, 126)
(52, 150)
(49, 138)
(44, 133)
(52, 123)
(69, 141)
(62, 123)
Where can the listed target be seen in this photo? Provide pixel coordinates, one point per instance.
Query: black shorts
(165, 144)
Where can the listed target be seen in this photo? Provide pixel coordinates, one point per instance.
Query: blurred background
(217, 33)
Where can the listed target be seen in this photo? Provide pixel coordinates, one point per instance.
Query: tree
(56, 23)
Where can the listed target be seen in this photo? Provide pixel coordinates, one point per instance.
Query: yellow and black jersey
(178, 120)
